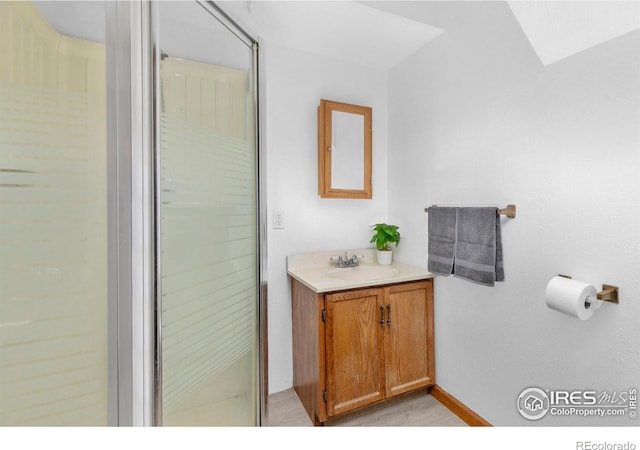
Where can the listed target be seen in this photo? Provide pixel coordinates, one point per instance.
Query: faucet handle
(335, 258)
(359, 256)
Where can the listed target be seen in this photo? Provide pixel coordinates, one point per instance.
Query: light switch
(278, 219)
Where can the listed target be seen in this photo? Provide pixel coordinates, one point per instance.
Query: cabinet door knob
(388, 314)
(382, 316)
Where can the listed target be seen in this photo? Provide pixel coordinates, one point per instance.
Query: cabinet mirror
(344, 150)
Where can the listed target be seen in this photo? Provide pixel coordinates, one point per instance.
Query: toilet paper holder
(608, 293)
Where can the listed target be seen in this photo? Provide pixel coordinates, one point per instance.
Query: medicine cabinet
(344, 150)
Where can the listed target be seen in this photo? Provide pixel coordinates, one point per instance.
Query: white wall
(475, 119)
(295, 82)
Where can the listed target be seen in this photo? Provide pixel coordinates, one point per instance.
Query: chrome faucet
(346, 261)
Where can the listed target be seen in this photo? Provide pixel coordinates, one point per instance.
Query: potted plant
(384, 236)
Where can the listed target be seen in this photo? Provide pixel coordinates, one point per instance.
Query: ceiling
(345, 30)
(558, 29)
(380, 34)
(376, 34)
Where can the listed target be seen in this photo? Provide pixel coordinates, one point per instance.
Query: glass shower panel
(207, 222)
(53, 253)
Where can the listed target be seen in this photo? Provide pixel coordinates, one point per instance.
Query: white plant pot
(384, 256)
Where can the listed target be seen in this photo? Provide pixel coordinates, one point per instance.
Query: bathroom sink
(316, 271)
(363, 273)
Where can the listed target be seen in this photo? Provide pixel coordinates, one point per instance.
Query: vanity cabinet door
(354, 349)
(409, 337)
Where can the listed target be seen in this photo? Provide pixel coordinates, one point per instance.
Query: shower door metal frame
(130, 213)
(150, 22)
(134, 291)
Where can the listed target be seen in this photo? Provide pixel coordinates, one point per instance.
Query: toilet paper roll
(570, 297)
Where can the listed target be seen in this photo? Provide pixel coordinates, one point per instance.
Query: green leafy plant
(385, 235)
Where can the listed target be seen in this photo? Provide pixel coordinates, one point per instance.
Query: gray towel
(467, 243)
(442, 238)
(478, 251)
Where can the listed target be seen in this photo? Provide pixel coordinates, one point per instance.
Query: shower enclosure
(206, 220)
(130, 248)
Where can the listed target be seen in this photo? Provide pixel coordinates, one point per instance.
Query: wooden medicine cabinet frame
(325, 145)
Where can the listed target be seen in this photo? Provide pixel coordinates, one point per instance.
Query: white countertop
(317, 271)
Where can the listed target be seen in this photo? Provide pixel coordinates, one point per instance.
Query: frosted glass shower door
(53, 245)
(207, 221)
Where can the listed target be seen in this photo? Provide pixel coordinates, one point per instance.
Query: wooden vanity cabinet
(358, 347)
(354, 349)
